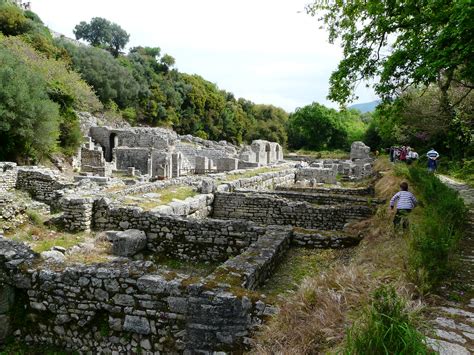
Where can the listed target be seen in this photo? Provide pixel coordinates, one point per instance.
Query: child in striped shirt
(406, 201)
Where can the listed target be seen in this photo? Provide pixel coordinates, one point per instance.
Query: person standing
(433, 156)
(406, 201)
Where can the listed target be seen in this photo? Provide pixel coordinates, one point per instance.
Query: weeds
(435, 237)
(386, 327)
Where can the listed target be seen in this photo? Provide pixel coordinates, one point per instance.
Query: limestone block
(136, 324)
(208, 186)
(129, 242)
(359, 150)
(53, 256)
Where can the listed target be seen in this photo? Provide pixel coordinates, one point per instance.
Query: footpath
(453, 321)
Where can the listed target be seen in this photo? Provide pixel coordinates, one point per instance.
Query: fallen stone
(129, 242)
(53, 256)
(446, 348)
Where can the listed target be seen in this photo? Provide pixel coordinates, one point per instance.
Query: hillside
(365, 106)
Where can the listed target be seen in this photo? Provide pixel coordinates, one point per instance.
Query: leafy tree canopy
(103, 33)
(400, 43)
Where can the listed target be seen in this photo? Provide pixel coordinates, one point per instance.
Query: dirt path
(453, 321)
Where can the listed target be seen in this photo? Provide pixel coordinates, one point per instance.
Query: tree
(402, 43)
(316, 127)
(29, 121)
(103, 33)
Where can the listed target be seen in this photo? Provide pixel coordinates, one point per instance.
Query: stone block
(129, 242)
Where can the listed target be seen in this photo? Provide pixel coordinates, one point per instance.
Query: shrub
(386, 327)
(28, 119)
(435, 238)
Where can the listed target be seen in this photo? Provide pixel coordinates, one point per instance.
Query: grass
(297, 264)
(386, 327)
(436, 234)
(185, 267)
(40, 238)
(167, 195)
(314, 318)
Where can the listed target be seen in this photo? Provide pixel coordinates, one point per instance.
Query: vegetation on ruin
(166, 195)
(374, 303)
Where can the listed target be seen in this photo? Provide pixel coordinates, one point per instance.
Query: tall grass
(435, 237)
(386, 327)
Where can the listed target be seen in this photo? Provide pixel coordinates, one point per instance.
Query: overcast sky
(267, 51)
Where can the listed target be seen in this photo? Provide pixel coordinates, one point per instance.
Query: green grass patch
(40, 238)
(387, 326)
(167, 195)
(297, 264)
(436, 234)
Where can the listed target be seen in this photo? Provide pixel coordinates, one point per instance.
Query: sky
(267, 51)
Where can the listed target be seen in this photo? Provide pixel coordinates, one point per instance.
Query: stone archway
(268, 150)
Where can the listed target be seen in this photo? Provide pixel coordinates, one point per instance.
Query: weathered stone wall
(182, 238)
(319, 198)
(251, 268)
(268, 209)
(12, 211)
(358, 191)
(124, 307)
(323, 239)
(8, 176)
(137, 157)
(261, 181)
(77, 213)
(41, 184)
(320, 175)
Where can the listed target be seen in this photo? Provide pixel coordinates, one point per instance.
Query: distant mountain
(366, 106)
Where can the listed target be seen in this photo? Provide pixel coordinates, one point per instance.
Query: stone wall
(320, 198)
(267, 209)
(323, 239)
(124, 307)
(357, 191)
(319, 175)
(137, 157)
(41, 184)
(12, 211)
(8, 176)
(182, 238)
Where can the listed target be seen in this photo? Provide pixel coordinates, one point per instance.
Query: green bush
(435, 238)
(386, 327)
(29, 121)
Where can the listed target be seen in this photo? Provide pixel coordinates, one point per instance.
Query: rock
(5, 327)
(136, 324)
(359, 151)
(445, 348)
(53, 256)
(208, 186)
(129, 242)
(58, 248)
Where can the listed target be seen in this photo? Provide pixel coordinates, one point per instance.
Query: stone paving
(453, 322)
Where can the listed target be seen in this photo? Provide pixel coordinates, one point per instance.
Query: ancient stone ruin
(236, 215)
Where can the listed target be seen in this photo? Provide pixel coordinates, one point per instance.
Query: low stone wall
(124, 307)
(261, 182)
(267, 209)
(41, 184)
(8, 176)
(324, 239)
(181, 238)
(77, 213)
(320, 198)
(358, 191)
(12, 211)
(319, 175)
(251, 268)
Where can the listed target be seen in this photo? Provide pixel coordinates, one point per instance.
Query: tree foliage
(401, 44)
(29, 124)
(103, 33)
(318, 127)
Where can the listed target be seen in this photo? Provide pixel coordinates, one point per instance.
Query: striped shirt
(406, 200)
(432, 154)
